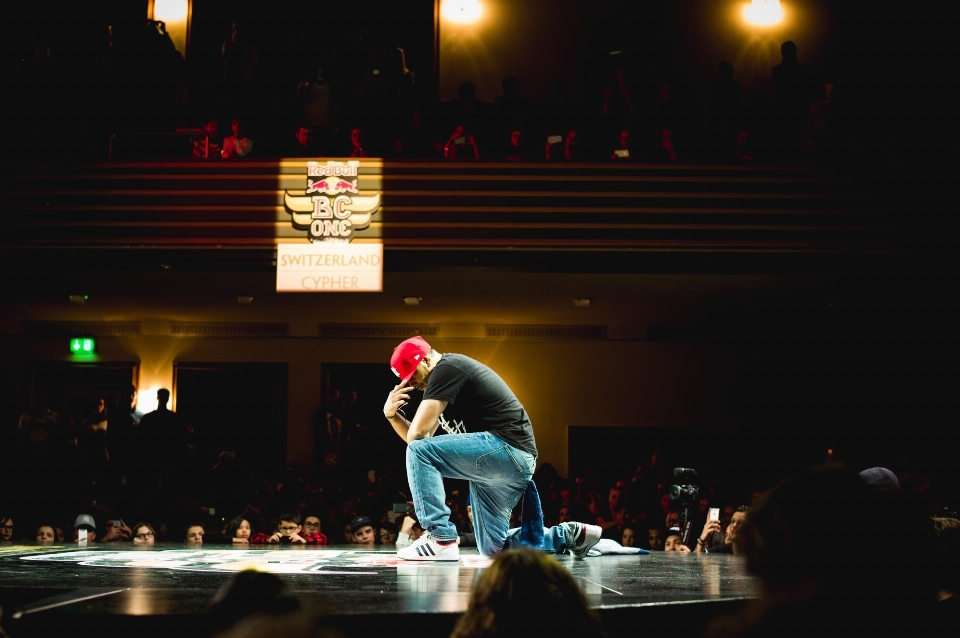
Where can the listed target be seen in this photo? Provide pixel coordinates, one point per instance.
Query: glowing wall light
(763, 13)
(461, 11)
(175, 14)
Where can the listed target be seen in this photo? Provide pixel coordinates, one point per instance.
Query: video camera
(684, 495)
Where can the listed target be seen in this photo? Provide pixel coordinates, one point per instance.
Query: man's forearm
(400, 425)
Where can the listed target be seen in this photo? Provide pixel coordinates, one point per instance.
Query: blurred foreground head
(526, 593)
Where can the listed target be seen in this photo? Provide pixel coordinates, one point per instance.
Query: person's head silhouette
(789, 51)
(163, 397)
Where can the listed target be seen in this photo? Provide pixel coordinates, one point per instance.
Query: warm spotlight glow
(461, 11)
(763, 13)
(170, 10)
(147, 399)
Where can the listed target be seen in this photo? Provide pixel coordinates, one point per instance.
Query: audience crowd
(353, 97)
(141, 479)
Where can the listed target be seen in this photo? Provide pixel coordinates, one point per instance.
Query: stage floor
(44, 587)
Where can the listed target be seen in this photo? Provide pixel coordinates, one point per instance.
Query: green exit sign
(82, 345)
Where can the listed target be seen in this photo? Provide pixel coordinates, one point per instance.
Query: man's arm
(425, 421)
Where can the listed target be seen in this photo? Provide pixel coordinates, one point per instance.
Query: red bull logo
(332, 186)
(332, 207)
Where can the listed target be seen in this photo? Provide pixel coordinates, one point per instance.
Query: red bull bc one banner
(330, 210)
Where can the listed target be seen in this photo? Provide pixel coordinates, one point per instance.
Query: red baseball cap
(407, 356)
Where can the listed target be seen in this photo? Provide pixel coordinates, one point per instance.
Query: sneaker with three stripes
(429, 548)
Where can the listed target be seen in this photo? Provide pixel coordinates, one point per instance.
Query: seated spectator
(303, 144)
(623, 150)
(45, 534)
(714, 541)
(116, 530)
(629, 537)
(208, 146)
(144, 534)
(289, 530)
(363, 531)
(525, 592)
(461, 145)
(6, 528)
(742, 149)
(356, 143)
(193, 534)
(571, 149)
(84, 529)
(674, 541)
(554, 147)
(655, 539)
(667, 150)
(238, 531)
(238, 144)
(516, 151)
(312, 525)
(388, 533)
(348, 535)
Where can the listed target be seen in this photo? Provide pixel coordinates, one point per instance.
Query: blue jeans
(497, 472)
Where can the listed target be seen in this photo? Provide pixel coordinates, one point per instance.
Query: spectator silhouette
(160, 438)
(238, 56)
(791, 100)
(210, 145)
(461, 145)
(356, 143)
(562, 111)
(624, 149)
(620, 102)
(723, 113)
(302, 143)
(813, 582)
(237, 144)
(512, 110)
(320, 98)
(469, 111)
(667, 124)
(524, 593)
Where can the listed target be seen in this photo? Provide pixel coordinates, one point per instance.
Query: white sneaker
(427, 548)
(581, 537)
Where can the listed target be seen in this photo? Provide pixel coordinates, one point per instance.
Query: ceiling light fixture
(412, 301)
(582, 302)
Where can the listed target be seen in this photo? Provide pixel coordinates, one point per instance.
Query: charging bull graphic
(332, 207)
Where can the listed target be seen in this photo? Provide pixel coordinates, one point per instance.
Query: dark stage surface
(114, 586)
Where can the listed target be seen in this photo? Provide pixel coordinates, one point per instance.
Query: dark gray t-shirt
(478, 400)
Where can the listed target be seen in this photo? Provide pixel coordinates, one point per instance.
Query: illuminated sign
(82, 345)
(330, 267)
(331, 210)
(332, 207)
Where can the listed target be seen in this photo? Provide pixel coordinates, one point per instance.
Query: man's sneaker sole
(591, 535)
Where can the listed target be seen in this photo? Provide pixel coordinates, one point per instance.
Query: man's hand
(275, 538)
(683, 549)
(397, 398)
(296, 538)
